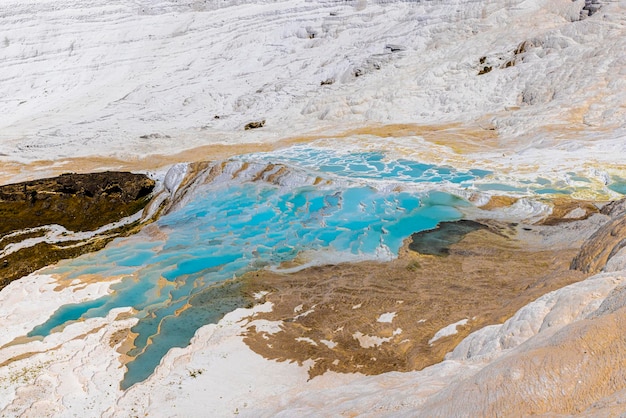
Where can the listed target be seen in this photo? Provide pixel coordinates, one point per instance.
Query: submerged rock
(437, 241)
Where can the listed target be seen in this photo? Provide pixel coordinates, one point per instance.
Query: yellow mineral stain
(458, 136)
(498, 202)
(182, 309)
(126, 340)
(162, 282)
(563, 207)
(82, 281)
(126, 315)
(22, 340)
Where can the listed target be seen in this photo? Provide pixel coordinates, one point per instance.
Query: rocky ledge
(44, 221)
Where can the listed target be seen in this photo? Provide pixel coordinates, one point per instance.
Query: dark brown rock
(254, 125)
(78, 202)
(485, 70)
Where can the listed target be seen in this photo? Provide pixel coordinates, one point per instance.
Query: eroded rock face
(605, 242)
(76, 202)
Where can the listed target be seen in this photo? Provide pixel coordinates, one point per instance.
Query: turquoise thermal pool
(371, 165)
(177, 280)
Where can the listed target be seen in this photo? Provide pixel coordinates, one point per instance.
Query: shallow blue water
(618, 185)
(368, 165)
(179, 282)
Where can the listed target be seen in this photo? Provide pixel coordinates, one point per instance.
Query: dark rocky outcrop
(78, 202)
(486, 69)
(395, 48)
(590, 8)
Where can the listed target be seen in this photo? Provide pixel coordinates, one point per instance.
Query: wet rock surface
(76, 202)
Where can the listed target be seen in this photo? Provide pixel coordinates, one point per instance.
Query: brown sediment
(182, 309)
(193, 175)
(568, 210)
(22, 356)
(564, 209)
(459, 137)
(162, 283)
(11, 169)
(22, 340)
(125, 337)
(193, 170)
(125, 315)
(82, 281)
(275, 176)
(118, 336)
(90, 164)
(484, 278)
(266, 169)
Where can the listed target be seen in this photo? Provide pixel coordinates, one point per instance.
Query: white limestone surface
(72, 371)
(130, 78)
